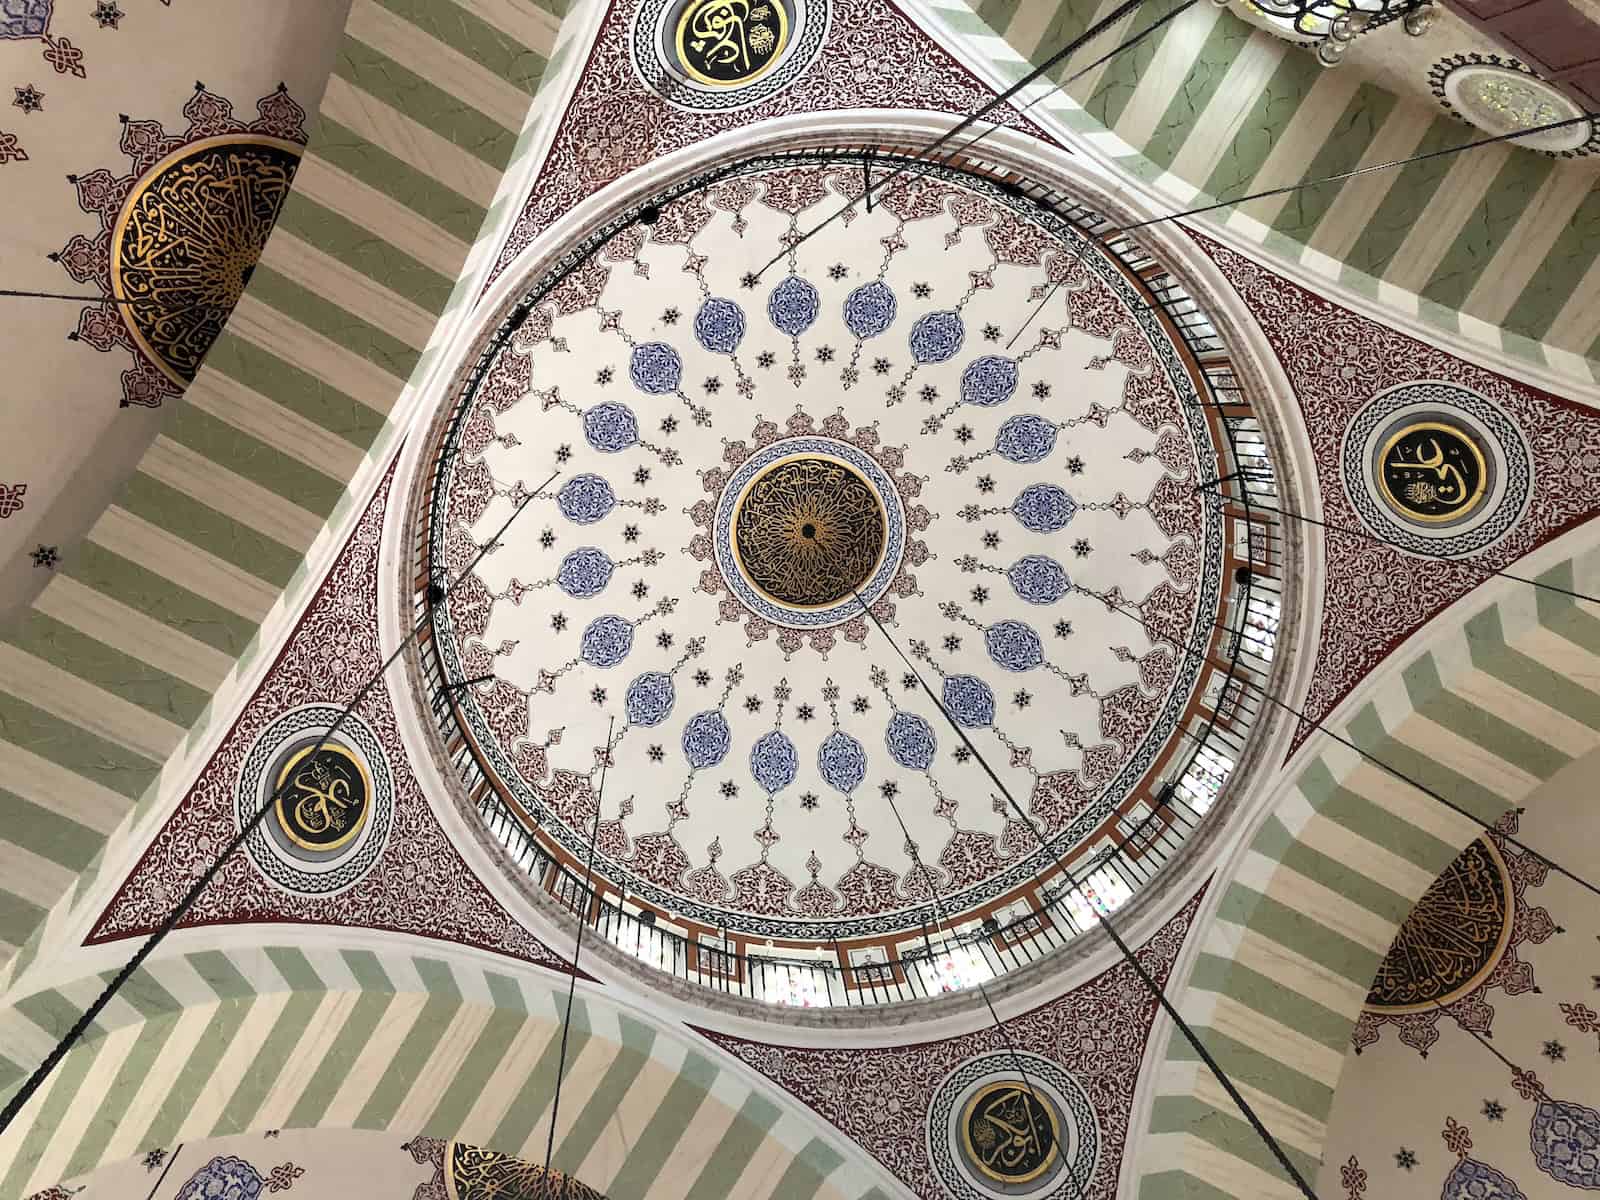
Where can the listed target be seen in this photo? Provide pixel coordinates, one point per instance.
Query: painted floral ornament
(1471, 1179)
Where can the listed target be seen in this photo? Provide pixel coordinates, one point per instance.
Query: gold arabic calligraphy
(1432, 472)
(1011, 1134)
(325, 803)
(725, 42)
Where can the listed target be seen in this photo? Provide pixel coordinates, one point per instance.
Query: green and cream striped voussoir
(117, 660)
(1208, 108)
(215, 1043)
(1483, 717)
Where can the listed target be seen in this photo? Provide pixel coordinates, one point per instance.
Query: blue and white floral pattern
(911, 742)
(793, 306)
(719, 325)
(1013, 645)
(606, 641)
(650, 698)
(706, 739)
(1043, 507)
(223, 1178)
(987, 381)
(1038, 579)
(842, 762)
(585, 499)
(1566, 1142)
(610, 427)
(25, 18)
(1025, 438)
(969, 700)
(655, 368)
(774, 762)
(1474, 1180)
(870, 309)
(936, 337)
(584, 573)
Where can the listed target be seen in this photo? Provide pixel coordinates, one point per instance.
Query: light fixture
(1332, 25)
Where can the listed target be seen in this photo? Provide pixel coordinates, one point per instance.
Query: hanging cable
(1088, 35)
(170, 922)
(1191, 652)
(1128, 955)
(1471, 564)
(584, 896)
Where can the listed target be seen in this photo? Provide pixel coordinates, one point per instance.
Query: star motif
(563, 453)
(669, 425)
(712, 385)
(603, 376)
(860, 704)
(45, 556)
(952, 643)
(29, 99)
(558, 622)
(908, 681)
(1041, 390)
(985, 484)
(765, 359)
(991, 539)
(1494, 1110)
(1405, 1159)
(642, 476)
(1075, 465)
(107, 14)
(837, 271)
(657, 753)
(729, 788)
(805, 712)
(890, 789)
(1555, 1051)
(1081, 547)
(929, 393)
(547, 539)
(702, 678)
(824, 354)
(670, 316)
(921, 291)
(640, 590)
(1063, 629)
(748, 280)
(630, 533)
(752, 704)
(991, 333)
(963, 434)
(1022, 699)
(598, 695)
(664, 640)
(808, 801)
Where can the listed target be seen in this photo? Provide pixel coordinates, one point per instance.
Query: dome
(817, 528)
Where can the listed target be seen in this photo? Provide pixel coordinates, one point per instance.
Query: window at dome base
(943, 488)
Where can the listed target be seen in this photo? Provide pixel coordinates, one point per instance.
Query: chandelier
(1331, 25)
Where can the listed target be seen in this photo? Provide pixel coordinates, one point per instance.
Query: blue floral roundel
(1043, 507)
(719, 325)
(793, 306)
(936, 337)
(655, 368)
(584, 573)
(911, 741)
(1038, 579)
(706, 739)
(842, 762)
(969, 700)
(584, 499)
(1566, 1143)
(774, 761)
(610, 427)
(870, 309)
(989, 380)
(1014, 646)
(606, 641)
(1025, 438)
(650, 698)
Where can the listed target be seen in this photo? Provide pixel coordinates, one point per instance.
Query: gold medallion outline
(680, 36)
(973, 1154)
(1458, 434)
(368, 799)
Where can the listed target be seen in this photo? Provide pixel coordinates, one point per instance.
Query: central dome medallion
(809, 531)
(948, 442)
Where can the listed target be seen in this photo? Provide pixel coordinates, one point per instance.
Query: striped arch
(222, 1042)
(1509, 696)
(393, 208)
(1209, 108)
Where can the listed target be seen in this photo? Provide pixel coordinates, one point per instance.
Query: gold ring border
(683, 59)
(140, 188)
(1482, 972)
(366, 809)
(738, 506)
(1055, 1130)
(1441, 427)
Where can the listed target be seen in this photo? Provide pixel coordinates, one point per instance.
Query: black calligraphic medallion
(323, 798)
(809, 531)
(1432, 472)
(188, 238)
(1453, 939)
(729, 42)
(1010, 1131)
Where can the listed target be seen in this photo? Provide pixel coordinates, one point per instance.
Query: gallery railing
(934, 961)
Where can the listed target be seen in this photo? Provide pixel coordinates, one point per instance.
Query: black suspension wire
(170, 922)
(22, 295)
(1471, 564)
(950, 934)
(1189, 651)
(577, 950)
(1367, 170)
(1088, 35)
(1128, 955)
